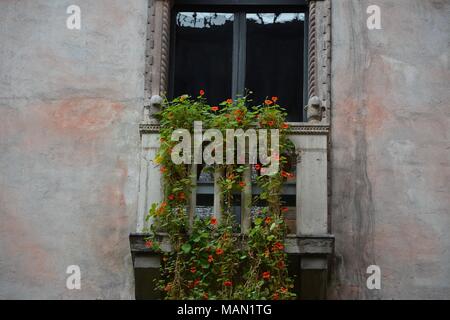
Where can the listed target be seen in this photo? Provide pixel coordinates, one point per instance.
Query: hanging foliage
(211, 259)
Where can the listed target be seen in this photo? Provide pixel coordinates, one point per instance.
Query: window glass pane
(203, 54)
(274, 60)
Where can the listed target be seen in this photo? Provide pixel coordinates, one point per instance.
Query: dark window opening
(239, 49)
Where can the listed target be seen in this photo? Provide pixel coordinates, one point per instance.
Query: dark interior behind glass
(274, 63)
(203, 55)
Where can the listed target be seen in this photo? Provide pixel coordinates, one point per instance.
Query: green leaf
(186, 248)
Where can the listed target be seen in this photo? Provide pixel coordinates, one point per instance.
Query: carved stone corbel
(319, 54)
(157, 49)
(315, 111)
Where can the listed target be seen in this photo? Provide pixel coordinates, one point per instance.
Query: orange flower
(215, 108)
(266, 275)
(274, 99)
(257, 166)
(205, 296)
(228, 283)
(268, 102)
(171, 197)
(284, 209)
(193, 270)
(148, 244)
(268, 220)
(284, 290)
(285, 174)
(270, 123)
(276, 296)
(181, 196)
(213, 221)
(210, 258)
(202, 92)
(168, 287)
(163, 169)
(242, 184)
(219, 251)
(229, 101)
(278, 246)
(285, 125)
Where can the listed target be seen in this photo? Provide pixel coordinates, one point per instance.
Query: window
(235, 50)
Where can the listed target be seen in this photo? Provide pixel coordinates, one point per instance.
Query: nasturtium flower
(228, 283)
(268, 102)
(148, 244)
(266, 275)
(202, 92)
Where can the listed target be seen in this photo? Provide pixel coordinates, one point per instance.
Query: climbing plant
(209, 257)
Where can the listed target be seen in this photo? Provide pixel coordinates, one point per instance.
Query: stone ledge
(295, 245)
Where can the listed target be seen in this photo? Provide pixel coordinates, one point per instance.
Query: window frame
(240, 8)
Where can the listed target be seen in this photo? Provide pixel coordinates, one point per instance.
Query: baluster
(218, 197)
(193, 197)
(246, 200)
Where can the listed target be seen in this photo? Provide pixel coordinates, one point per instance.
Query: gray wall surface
(391, 149)
(71, 102)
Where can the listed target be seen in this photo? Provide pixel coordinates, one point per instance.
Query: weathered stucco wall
(70, 104)
(71, 101)
(391, 150)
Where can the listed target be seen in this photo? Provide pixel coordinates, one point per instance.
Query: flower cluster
(209, 259)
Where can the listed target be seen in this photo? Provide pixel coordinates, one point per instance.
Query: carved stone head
(314, 110)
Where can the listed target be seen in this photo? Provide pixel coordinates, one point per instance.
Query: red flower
(284, 209)
(193, 270)
(205, 296)
(270, 123)
(242, 184)
(257, 166)
(266, 275)
(238, 119)
(285, 125)
(148, 244)
(163, 169)
(285, 174)
(278, 246)
(213, 221)
(274, 99)
(202, 92)
(228, 283)
(276, 296)
(219, 251)
(284, 290)
(210, 258)
(168, 287)
(171, 197)
(268, 220)
(196, 282)
(229, 101)
(215, 108)
(268, 102)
